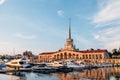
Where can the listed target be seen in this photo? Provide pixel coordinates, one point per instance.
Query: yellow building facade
(70, 52)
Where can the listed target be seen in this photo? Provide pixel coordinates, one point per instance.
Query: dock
(40, 70)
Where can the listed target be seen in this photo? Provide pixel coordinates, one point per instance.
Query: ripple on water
(38, 76)
(8, 77)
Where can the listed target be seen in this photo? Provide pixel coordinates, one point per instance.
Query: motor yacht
(18, 63)
(54, 64)
(73, 64)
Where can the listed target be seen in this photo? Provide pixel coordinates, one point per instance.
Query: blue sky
(42, 25)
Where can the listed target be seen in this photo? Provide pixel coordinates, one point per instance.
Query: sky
(42, 25)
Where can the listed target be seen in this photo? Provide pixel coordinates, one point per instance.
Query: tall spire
(69, 41)
(69, 36)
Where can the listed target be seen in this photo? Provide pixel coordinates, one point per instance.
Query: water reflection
(94, 74)
(12, 76)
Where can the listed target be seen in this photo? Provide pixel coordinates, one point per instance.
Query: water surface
(94, 74)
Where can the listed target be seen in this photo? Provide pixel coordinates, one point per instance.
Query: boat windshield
(60, 63)
(13, 62)
(22, 62)
(23, 59)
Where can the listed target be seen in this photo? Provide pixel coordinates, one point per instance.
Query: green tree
(114, 52)
(110, 54)
(119, 51)
(28, 54)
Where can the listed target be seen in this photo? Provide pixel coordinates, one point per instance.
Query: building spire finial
(69, 36)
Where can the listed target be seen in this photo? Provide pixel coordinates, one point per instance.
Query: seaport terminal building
(70, 52)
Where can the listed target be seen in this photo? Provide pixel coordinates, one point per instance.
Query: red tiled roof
(93, 51)
(83, 51)
(44, 53)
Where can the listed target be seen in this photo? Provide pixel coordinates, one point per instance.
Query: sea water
(111, 73)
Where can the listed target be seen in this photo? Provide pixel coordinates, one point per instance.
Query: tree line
(115, 52)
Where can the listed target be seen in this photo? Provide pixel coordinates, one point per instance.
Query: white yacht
(73, 64)
(54, 64)
(18, 63)
(70, 64)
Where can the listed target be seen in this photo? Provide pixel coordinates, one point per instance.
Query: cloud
(22, 36)
(109, 37)
(2, 2)
(109, 34)
(109, 12)
(108, 16)
(60, 12)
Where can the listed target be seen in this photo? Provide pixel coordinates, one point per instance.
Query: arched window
(61, 56)
(73, 56)
(86, 56)
(69, 55)
(83, 56)
(58, 56)
(65, 55)
(55, 57)
(89, 56)
(96, 56)
(100, 56)
(77, 56)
